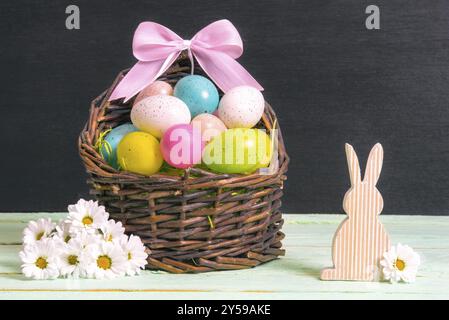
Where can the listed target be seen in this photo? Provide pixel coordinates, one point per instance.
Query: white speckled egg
(156, 114)
(241, 107)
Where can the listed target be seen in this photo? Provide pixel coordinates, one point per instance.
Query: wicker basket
(195, 222)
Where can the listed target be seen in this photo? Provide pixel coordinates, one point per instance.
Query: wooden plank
(295, 276)
(12, 224)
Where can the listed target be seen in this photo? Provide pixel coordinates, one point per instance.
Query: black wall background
(330, 80)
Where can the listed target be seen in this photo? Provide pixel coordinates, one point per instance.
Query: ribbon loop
(215, 47)
(222, 36)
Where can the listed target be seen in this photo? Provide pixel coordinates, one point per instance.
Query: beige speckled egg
(156, 114)
(155, 89)
(209, 125)
(241, 107)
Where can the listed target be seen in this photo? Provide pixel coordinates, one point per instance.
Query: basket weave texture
(197, 221)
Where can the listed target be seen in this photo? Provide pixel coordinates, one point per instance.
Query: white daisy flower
(106, 260)
(86, 215)
(37, 230)
(400, 263)
(112, 231)
(40, 260)
(72, 258)
(63, 231)
(86, 238)
(135, 253)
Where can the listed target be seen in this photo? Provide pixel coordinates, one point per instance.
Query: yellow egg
(139, 152)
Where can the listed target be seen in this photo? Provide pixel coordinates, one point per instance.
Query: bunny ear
(374, 164)
(353, 164)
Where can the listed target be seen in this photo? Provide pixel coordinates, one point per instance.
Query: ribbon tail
(141, 75)
(224, 70)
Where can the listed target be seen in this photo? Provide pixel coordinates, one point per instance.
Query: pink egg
(181, 146)
(209, 125)
(155, 89)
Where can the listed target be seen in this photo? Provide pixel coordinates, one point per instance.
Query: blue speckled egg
(108, 149)
(198, 93)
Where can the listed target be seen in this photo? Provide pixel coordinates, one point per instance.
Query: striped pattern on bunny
(361, 239)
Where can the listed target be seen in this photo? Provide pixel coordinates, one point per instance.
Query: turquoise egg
(198, 93)
(108, 149)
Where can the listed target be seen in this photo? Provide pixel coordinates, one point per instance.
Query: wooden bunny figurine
(361, 239)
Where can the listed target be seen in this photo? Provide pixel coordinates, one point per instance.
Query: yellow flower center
(110, 237)
(129, 256)
(73, 260)
(399, 264)
(87, 220)
(104, 262)
(41, 263)
(40, 235)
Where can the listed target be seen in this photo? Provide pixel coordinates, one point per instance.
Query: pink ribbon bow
(215, 47)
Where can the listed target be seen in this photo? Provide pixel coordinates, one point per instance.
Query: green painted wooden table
(295, 276)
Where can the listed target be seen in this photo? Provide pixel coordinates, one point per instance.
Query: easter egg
(198, 93)
(139, 152)
(238, 150)
(182, 146)
(156, 114)
(155, 89)
(241, 107)
(209, 125)
(108, 145)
